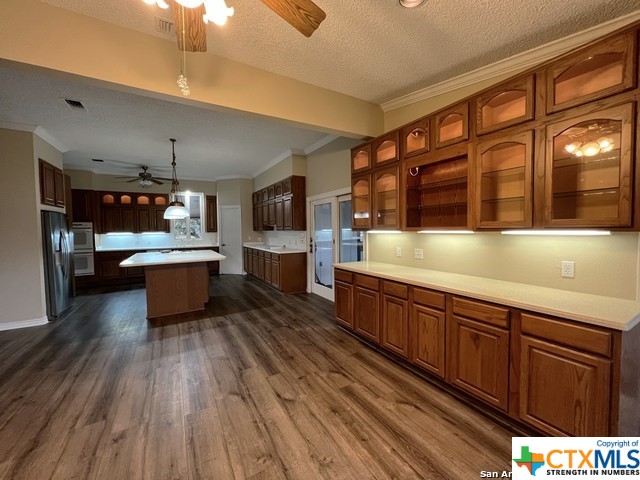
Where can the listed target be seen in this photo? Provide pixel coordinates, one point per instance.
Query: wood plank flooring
(260, 386)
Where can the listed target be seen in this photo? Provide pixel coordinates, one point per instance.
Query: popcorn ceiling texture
(375, 50)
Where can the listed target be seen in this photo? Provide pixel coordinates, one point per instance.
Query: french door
(331, 240)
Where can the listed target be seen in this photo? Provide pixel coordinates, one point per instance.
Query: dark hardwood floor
(260, 386)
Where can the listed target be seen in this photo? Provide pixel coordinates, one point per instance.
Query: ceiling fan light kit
(407, 3)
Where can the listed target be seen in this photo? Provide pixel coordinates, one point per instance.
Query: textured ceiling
(374, 49)
(121, 127)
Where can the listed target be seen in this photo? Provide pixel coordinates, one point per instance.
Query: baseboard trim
(24, 324)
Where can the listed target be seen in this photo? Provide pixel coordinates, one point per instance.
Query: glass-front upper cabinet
(601, 70)
(588, 169)
(385, 149)
(452, 125)
(503, 182)
(361, 158)
(415, 138)
(386, 199)
(504, 106)
(361, 201)
(437, 193)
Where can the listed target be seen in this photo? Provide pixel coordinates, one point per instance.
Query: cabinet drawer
(342, 276)
(395, 289)
(584, 337)
(428, 298)
(367, 282)
(482, 312)
(260, 254)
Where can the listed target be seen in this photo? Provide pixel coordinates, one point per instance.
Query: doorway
(331, 240)
(230, 239)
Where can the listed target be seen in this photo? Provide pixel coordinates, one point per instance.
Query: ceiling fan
(190, 18)
(146, 179)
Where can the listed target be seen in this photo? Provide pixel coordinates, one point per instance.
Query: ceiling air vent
(74, 104)
(164, 26)
(99, 160)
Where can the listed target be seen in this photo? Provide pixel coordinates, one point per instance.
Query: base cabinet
(562, 378)
(286, 272)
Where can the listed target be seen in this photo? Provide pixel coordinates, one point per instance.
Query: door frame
(328, 197)
(221, 209)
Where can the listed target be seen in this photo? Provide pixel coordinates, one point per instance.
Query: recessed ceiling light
(411, 3)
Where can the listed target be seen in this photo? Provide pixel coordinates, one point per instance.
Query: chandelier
(216, 10)
(593, 140)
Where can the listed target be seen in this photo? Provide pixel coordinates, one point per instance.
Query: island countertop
(175, 257)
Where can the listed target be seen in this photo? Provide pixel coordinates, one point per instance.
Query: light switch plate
(418, 253)
(398, 251)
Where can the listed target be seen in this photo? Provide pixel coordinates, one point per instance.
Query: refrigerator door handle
(64, 248)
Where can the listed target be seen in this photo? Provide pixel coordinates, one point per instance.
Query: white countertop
(610, 312)
(156, 258)
(279, 249)
(142, 248)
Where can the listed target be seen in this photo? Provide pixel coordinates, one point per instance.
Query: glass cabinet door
(385, 149)
(596, 72)
(507, 105)
(361, 158)
(503, 180)
(452, 125)
(386, 198)
(415, 138)
(588, 170)
(361, 201)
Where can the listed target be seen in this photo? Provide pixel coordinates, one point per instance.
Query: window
(190, 227)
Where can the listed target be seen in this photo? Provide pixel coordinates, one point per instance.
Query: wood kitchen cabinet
(437, 191)
(366, 306)
(506, 105)
(386, 149)
(395, 318)
(361, 202)
(281, 205)
(427, 330)
(286, 272)
(386, 213)
(361, 158)
(452, 125)
(565, 377)
(478, 350)
(51, 185)
(416, 138)
(212, 213)
(595, 72)
(504, 166)
(85, 205)
(588, 169)
(343, 282)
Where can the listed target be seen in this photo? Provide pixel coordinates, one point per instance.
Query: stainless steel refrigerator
(58, 255)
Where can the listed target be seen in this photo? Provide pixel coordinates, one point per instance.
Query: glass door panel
(323, 244)
(351, 245)
(387, 199)
(361, 198)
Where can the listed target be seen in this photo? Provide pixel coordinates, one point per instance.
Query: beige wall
(21, 270)
(238, 192)
(604, 265)
(35, 33)
(329, 167)
(277, 172)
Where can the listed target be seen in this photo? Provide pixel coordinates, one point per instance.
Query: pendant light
(176, 209)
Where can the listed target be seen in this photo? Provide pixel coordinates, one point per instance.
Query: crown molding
(513, 64)
(320, 143)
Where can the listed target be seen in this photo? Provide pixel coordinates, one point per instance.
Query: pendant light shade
(176, 209)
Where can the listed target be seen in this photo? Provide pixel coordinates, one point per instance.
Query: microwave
(82, 236)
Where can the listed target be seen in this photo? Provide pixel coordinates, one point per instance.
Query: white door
(230, 239)
(322, 242)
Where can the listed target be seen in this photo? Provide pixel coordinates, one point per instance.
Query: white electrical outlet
(568, 269)
(398, 251)
(418, 254)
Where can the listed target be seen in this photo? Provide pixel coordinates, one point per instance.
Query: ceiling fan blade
(195, 30)
(157, 182)
(133, 180)
(304, 15)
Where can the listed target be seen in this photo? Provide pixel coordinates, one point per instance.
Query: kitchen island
(176, 281)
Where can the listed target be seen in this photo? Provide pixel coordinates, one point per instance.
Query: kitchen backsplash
(145, 240)
(296, 240)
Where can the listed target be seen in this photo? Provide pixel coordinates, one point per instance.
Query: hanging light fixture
(176, 209)
(591, 141)
(216, 10)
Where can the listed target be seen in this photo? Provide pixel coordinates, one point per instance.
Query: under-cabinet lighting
(557, 233)
(119, 233)
(384, 231)
(154, 233)
(449, 232)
